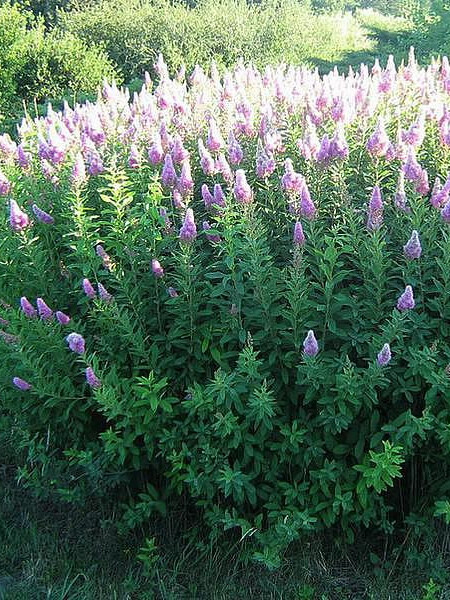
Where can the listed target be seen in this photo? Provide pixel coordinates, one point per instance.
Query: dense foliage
(133, 33)
(285, 364)
(36, 65)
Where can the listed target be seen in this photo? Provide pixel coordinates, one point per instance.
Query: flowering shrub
(238, 289)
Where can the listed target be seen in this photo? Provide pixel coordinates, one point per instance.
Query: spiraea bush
(237, 290)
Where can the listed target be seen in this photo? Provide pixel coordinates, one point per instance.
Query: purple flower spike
(185, 182)
(45, 312)
(406, 300)
(28, 308)
(436, 197)
(378, 142)
(62, 318)
(42, 216)
(172, 292)
(307, 206)
(76, 343)
(219, 196)
(5, 185)
(88, 288)
(214, 141)
(157, 269)
(384, 356)
(92, 379)
(21, 384)
(103, 293)
(413, 249)
(445, 213)
(168, 175)
(208, 198)
(375, 214)
(242, 191)
(134, 158)
(299, 236)
(78, 175)
(188, 231)
(17, 218)
(310, 345)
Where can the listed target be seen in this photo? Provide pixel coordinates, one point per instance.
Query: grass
(54, 551)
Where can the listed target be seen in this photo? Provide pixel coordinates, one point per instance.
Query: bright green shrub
(36, 65)
(200, 384)
(134, 33)
(55, 65)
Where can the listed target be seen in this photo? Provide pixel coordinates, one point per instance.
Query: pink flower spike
(27, 308)
(299, 236)
(310, 345)
(88, 288)
(17, 218)
(76, 343)
(92, 379)
(41, 215)
(406, 300)
(157, 269)
(103, 293)
(62, 318)
(45, 312)
(21, 384)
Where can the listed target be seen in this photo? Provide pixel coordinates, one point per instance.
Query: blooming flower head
(106, 259)
(5, 185)
(208, 198)
(299, 236)
(17, 218)
(223, 167)
(242, 191)
(400, 199)
(172, 292)
(62, 318)
(375, 213)
(103, 293)
(76, 343)
(413, 249)
(310, 345)
(92, 379)
(41, 215)
(185, 183)
(214, 140)
(307, 207)
(45, 312)
(21, 384)
(436, 197)
(378, 142)
(384, 356)
(27, 308)
(406, 300)
(445, 213)
(88, 288)
(157, 269)
(78, 175)
(188, 231)
(178, 152)
(291, 182)
(168, 175)
(235, 152)
(207, 162)
(134, 158)
(219, 196)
